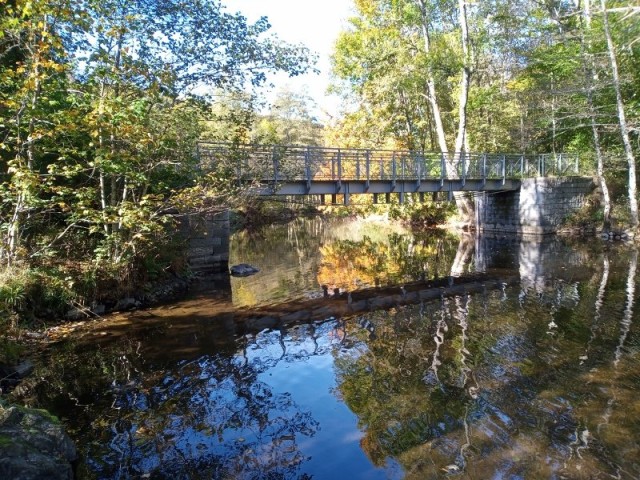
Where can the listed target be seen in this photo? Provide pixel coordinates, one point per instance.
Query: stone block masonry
(208, 237)
(540, 206)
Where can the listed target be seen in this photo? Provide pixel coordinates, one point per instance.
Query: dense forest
(102, 103)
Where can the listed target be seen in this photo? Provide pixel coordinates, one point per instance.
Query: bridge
(513, 193)
(312, 170)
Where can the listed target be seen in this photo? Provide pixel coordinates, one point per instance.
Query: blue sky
(311, 22)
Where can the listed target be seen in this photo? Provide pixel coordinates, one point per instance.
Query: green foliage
(429, 214)
(97, 137)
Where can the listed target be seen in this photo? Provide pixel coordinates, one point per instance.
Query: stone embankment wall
(208, 237)
(540, 206)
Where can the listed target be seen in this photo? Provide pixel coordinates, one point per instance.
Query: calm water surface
(537, 378)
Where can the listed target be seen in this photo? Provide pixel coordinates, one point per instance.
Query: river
(497, 358)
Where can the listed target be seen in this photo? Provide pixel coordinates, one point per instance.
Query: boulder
(243, 270)
(33, 445)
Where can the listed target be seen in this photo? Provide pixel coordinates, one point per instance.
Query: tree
(102, 103)
(622, 117)
(290, 121)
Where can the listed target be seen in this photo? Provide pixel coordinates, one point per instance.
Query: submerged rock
(33, 445)
(243, 270)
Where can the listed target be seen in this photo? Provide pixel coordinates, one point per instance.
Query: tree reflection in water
(349, 264)
(208, 417)
(478, 385)
(536, 380)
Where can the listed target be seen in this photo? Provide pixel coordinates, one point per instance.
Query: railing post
(339, 169)
(333, 166)
(307, 167)
(504, 169)
(484, 169)
(442, 169)
(393, 171)
(357, 165)
(522, 165)
(367, 166)
(463, 164)
(577, 165)
(419, 162)
(274, 159)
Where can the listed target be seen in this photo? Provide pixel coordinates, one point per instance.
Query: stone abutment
(540, 206)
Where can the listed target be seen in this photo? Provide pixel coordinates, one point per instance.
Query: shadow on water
(491, 357)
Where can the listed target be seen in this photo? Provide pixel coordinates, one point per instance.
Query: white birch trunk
(464, 205)
(590, 79)
(622, 119)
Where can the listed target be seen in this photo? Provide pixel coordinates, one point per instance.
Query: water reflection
(300, 258)
(536, 378)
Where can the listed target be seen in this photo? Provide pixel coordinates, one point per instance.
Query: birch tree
(622, 117)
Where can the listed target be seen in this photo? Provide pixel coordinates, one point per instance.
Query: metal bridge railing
(298, 163)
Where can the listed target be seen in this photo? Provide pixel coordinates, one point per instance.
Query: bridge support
(540, 206)
(208, 237)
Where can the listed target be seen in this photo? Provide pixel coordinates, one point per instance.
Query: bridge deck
(297, 170)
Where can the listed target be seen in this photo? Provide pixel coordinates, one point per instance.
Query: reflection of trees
(386, 383)
(348, 264)
(211, 417)
(287, 256)
(471, 383)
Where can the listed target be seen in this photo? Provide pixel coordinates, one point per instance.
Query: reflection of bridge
(298, 170)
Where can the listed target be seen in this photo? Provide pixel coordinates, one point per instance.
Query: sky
(314, 23)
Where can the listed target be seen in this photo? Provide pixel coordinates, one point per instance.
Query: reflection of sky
(334, 451)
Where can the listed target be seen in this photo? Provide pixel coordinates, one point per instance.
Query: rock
(243, 270)
(33, 445)
(126, 304)
(76, 314)
(604, 236)
(99, 309)
(17, 372)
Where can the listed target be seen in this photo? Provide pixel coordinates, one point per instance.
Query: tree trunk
(465, 207)
(464, 203)
(622, 119)
(590, 80)
(431, 84)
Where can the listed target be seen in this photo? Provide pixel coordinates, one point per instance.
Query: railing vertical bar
(339, 169)
(274, 159)
(504, 169)
(463, 162)
(367, 166)
(484, 169)
(522, 165)
(307, 167)
(393, 171)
